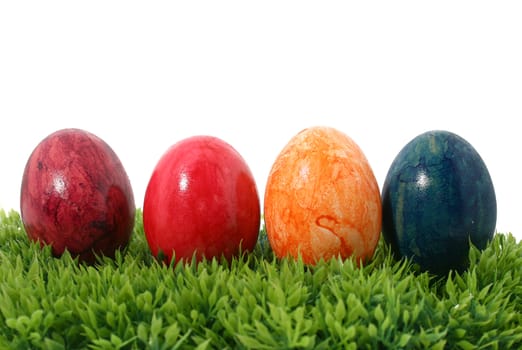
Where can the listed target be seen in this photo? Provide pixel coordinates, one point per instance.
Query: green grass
(256, 301)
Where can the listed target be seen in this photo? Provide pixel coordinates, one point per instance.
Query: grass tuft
(254, 301)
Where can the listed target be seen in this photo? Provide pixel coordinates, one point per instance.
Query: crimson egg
(76, 195)
(201, 201)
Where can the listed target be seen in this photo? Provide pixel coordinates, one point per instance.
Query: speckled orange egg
(322, 199)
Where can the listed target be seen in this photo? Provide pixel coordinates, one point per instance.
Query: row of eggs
(321, 200)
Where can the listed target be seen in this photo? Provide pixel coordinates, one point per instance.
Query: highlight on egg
(76, 196)
(438, 196)
(322, 199)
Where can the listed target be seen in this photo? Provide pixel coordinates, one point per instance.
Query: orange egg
(322, 199)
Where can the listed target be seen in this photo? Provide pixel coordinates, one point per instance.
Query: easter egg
(76, 195)
(201, 201)
(437, 198)
(322, 199)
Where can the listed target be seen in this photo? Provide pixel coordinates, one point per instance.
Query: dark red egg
(201, 201)
(77, 196)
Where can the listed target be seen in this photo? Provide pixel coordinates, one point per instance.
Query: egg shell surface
(76, 195)
(437, 197)
(322, 199)
(201, 201)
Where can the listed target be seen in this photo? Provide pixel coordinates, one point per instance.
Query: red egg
(76, 195)
(201, 200)
(322, 199)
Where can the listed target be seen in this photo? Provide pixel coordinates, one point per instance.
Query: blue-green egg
(438, 197)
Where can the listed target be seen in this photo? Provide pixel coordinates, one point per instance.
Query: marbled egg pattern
(322, 199)
(437, 196)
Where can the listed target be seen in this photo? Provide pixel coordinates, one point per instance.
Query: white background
(144, 75)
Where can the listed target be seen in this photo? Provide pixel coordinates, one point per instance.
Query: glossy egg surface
(76, 195)
(322, 199)
(201, 199)
(438, 195)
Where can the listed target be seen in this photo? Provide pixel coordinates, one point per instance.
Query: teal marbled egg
(438, 197)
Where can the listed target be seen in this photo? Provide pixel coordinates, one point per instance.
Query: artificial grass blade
(255, 301)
